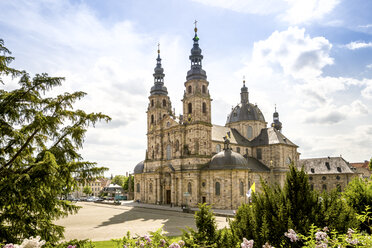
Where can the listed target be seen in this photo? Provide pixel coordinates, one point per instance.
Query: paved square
(104, 222)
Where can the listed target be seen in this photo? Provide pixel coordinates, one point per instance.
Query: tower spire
(196, 71)
(158, 88)
(244, 93)
(276, 123)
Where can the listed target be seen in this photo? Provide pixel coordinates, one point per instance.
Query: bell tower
(197, 105)
(159, 107)
(196, 99)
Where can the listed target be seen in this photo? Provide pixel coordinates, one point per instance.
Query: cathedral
(189, 160)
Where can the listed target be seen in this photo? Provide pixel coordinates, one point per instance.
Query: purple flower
(320, 236)
(142, 245)
(181, 243)
(352, 241)
(147, 238)
(350, 232)
(325, 229)
(8, 246)
(162, 243)
(71, 246)
(246, 243)
(291, 234)
(174, 245)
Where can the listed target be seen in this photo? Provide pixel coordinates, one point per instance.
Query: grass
(104, 244)
(112, 244)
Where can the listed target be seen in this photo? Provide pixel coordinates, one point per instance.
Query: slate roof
(271, 136)
(327, 165)
(228, 159)
(138, 169)
(245, 112)
(218, 132)
(257, 166)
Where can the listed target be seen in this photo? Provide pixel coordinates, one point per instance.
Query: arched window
(157, 148)
(204, 107)
(218, 188)
(150, 188)
(189, 107)
(152, 103)
(153, 154)
(203, 89)
(218, 148)
(249, 132)
(238, 149)
(189, 188)
(164, 103)
(138, 187)
(152, 119)
(324, 187)
(241, 188)
(189, 89)
(177, 145)
(169, 152)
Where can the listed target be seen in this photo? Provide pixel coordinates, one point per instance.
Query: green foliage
(370, 164)
(86, 243)
(295, 206)
(358, 195)
(206, 233)
(155, 239)
(128, 180)
(87, 190)
(40, 139)
(119, 180)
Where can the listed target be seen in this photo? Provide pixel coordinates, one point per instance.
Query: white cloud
(365, 26)
(291, 11)
(358, 45)
(317, 111)
(369, 66)
(295, 53)
(111, 62)
(302, 11)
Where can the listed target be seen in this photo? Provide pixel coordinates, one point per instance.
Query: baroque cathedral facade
(189, 160)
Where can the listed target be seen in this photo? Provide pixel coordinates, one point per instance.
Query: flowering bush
(28, 243)
(155, 240)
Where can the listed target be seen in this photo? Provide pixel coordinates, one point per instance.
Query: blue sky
(312, 58)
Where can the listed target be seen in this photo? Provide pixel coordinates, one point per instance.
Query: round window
(324, 178)
(203, 184)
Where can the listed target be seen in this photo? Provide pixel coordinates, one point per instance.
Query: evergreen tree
(40, 139)
(274, 210)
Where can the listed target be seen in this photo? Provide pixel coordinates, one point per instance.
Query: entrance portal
(204, 200)
(168, 197)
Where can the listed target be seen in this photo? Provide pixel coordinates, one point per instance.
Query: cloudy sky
(312, 58)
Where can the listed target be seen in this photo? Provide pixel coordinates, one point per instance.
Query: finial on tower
(275, 107)
(243, 80)
(158, 48)
(195, 29)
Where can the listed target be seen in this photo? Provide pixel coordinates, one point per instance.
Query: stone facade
(328, 173)
(189, 160)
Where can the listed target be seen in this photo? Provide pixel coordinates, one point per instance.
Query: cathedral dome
(228, 159)
(139, 168)
(245, 112)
